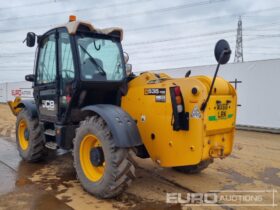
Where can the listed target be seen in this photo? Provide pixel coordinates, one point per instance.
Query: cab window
(66, 66)
(46, 69)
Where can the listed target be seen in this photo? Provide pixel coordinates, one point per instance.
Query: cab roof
(73, 26)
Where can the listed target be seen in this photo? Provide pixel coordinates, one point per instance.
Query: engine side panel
(148, 102)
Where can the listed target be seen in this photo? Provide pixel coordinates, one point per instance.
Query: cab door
(46, 82)
(66, 70)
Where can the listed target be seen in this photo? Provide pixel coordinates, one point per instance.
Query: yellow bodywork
(209, 136)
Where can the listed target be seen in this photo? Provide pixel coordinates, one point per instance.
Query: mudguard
(121, 124)
(18, 104)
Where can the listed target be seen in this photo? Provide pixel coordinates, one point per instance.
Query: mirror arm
(204, 104)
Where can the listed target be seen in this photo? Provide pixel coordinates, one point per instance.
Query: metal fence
(8, 91)
(258, 93)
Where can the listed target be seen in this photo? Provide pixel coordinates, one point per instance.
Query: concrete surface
(51, 184)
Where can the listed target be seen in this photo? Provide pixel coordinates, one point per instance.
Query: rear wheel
(30, 139)
(103, 169)
(194, 169)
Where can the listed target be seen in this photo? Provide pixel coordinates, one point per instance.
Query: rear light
(179, 108)
(178, 98)
(177, 91)
(180, 119)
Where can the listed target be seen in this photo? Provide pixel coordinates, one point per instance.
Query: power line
(180, 37)
(196, 35)
(201, 20)
(178, 23)
(114, 17)
(14, 54)
(262, 47)
(134, 51)
(199, 35)
(162, 40)
(258, 38)
(193, 48)
(76, 10)
(146, 27)
(180, 59)
(27, 5)
(263, 35)
(275, 28)
(161, 10)
(168, 48)
(17, 70)
(263, 53)
(185, 56)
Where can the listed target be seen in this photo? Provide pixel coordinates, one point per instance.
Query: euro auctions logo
(225, 198)
(16, 92)
(192, 198)
(23, 92)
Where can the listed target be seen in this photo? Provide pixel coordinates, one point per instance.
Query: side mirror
(222, 55)
(188, 73)
(222, 51)
(128, 69)
(126, 57)
(30, 78)
(30, 39)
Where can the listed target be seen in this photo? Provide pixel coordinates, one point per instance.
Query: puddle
(46, 202)
(269, 176)
(32, 198)
(17, 191)
(129, 199)
(7, 179)
(57, 174)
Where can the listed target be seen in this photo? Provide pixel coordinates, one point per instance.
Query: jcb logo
(48, 104)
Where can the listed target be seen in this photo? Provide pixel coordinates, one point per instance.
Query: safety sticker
(160, 98)
(196, 113)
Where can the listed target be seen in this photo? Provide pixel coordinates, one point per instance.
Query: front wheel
(103, 169)
(30, 138)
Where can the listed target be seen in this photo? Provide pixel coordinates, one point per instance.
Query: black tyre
(194, 169)
(29, 137)
(103, 169)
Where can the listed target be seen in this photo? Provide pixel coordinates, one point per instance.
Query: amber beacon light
(72, 18)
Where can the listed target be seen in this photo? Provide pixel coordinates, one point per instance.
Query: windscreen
(100, 58)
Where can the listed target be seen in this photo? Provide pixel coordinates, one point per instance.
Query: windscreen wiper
(92, 59)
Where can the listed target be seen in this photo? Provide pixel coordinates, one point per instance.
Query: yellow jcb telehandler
(87, 100)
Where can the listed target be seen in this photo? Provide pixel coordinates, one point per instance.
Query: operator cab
(76, 65)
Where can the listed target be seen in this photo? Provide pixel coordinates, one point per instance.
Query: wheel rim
(93, 172)
(23, 134)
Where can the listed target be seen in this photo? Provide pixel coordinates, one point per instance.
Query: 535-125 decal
(155, 91)
(159, 93)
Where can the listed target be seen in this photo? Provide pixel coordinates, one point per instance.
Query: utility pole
(239, 43)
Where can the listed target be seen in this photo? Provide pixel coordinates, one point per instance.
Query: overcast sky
(158, 34)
